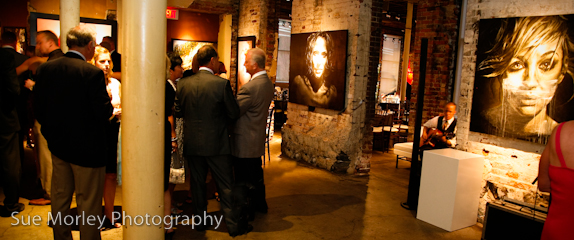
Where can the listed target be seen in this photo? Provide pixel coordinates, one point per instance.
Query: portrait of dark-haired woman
(317, 83)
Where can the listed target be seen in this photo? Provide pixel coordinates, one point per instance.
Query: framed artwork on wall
(523, 79)
(42, 21)
(186, 49)
(243, 45)
(317, 76)
(21, 37)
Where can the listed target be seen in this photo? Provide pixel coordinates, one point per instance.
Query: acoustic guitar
(434, 137)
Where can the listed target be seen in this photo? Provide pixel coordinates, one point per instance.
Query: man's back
(72, 103)
(207, 104)
(250, 129)
(24, 92)
(9, 92)
(18, 57)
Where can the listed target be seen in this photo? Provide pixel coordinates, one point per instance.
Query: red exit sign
(172, 14)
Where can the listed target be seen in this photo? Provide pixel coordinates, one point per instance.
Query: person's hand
(29, 84)
(117, 112)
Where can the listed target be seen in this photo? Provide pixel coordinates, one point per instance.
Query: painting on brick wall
(186, 49)
(523, 81)
(317, 69)
(243, 45)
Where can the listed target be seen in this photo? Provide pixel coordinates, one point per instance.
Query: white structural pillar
(143, 116)
(69, 18)
(120, 22)
(406, 50)
(224, 42)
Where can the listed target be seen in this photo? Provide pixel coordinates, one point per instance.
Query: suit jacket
(9, 91)
(24, 92)
(73, 106)
(117, 60)
(207, 104)
(249, 132)
(55, 54)
(18, 59)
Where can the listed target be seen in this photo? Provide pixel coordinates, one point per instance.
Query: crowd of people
(213, 129)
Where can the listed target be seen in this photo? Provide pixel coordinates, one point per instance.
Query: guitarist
(439, 132)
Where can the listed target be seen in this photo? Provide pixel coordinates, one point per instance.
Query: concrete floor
(304, 203)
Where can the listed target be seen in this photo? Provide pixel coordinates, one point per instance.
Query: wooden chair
(382, 132)
(268, 132)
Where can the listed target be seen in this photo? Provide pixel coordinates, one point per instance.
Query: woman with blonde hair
(102, 60)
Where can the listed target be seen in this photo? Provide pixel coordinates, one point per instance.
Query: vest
(449, 132)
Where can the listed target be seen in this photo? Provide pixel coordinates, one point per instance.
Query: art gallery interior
(344, 164)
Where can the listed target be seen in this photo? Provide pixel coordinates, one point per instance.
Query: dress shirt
(76, 52)
(258, 74)
(172, 83)
(448, 122)
(206, 69)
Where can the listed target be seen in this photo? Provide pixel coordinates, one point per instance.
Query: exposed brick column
(234, 35)
(224, 7)
(373, 78)
(327, 138)
(437, 20)
(271, 35)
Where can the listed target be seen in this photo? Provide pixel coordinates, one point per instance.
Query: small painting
(243, 45)
(21, 37)
(186, 49)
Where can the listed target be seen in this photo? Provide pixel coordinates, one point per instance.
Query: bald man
(446, 126)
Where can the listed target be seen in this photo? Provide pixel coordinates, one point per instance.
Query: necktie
(444, 125)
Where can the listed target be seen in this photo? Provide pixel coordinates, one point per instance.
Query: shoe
(169, 235)
(8, 211)
(177, 205)
(247, 229)
(202, 227)
(264, 209)
(188, 200)
(176, 212)
(40, 202)
(108, 225)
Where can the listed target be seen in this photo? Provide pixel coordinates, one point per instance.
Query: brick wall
(271, 35)
(259, 18)
(321, 137)
(224, 7)
(510, 165)
(375, 45)
(437, 20)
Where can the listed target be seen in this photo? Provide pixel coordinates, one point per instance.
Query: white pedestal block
(450, 188)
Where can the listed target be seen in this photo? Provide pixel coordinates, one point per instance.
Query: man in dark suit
(70, 88)
(249, 135)
(47, 44)
(9, 43)
(9, 127)
(207, 104)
